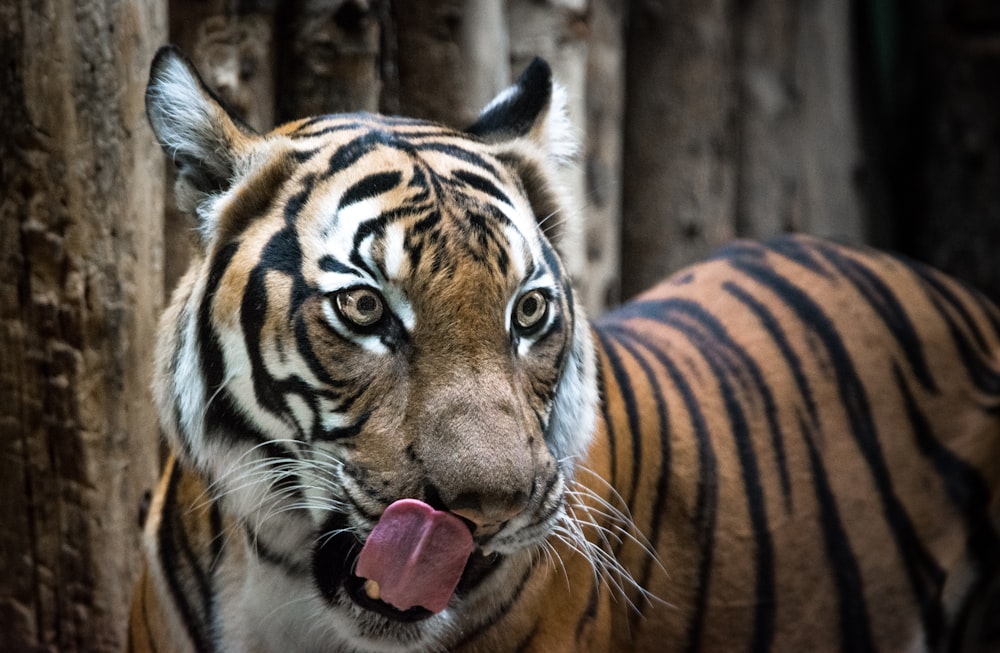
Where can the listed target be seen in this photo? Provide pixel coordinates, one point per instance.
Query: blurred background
(700, 121)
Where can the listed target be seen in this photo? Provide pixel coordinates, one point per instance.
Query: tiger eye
(361, 306)
(531, 309)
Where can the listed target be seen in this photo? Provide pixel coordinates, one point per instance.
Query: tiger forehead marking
(428, 217)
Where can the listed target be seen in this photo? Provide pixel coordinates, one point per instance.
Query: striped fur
(791, 446)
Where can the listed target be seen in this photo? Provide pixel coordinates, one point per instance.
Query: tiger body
(791, 446)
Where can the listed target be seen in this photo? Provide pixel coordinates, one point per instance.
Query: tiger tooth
(372, 590)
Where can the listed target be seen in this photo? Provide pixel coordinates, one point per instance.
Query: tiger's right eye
(363, 307)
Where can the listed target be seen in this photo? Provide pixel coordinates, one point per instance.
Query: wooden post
(605, 105)
(799, 149)
(451, 57)
(680, 161)
(329, 57)
(80, 291)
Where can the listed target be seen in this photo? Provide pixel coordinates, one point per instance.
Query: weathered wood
(451, 57)
(605, 105)
(80, 289)
(234, 52)
(680, 161)
(329, 59)
(825, 145)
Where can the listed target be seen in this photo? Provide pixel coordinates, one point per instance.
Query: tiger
(393, 428)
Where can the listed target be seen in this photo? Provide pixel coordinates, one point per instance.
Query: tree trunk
(605, 105)
(451, 57)
(329, 58)
(680, 161)
(81, 289)
(800, 150)
(741, 121)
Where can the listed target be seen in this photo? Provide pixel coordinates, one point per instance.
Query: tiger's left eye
(531, 309)
(360, 306)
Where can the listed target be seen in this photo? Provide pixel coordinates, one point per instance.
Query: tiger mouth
(335, 558)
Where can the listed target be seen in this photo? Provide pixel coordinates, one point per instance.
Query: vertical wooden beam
(680, 162)
(451, 57)
(328, 61)
(80, 290)
(605, 105)
(799, 150)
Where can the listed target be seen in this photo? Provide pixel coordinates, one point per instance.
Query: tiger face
(379, 338)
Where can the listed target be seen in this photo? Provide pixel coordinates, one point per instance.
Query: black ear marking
(516, 110)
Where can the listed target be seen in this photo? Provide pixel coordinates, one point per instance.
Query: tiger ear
(209, 146)
(533, 109)
(529, 126)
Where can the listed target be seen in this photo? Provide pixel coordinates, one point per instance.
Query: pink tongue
(416, 554)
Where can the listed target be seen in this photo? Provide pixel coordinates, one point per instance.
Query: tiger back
(393, 428)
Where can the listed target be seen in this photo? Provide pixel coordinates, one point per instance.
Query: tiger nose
(488, 514)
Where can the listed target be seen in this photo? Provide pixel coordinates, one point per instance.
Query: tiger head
(378, 337)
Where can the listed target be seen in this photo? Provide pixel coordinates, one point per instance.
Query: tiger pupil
(367, 304)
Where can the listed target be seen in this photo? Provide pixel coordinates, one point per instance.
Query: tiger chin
(392, 428)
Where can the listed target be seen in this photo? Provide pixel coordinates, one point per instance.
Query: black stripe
(978, 364)
(304, 347)
(338, 125)
(663, 472)
(780, 338)
(921, 567)
(182, 350)
(627, 395)
(343, 432)
(459, 153)
(295, 203)
(329, 264)
(254, 308)
(970, 493)
(527, 642)
(885, 304)
(706, 503)
(483, 185)
(501, 610)
(177, 559)
(213, 364)
(370, 186)
(221, 416)
(609, 423)
(588, 614)
(855, 628)
(276, 558)
(801, 250)
(351, 152)
(764, 600)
